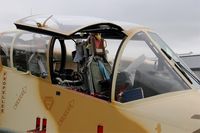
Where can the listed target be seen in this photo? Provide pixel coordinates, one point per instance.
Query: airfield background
(193, 61)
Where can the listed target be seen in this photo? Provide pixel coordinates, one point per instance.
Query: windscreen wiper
(188, 72)
(168, 56)
(178, 66)
(182, 70)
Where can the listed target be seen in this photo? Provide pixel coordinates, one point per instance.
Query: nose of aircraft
(177, 112)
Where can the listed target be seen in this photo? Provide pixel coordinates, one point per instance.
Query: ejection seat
(92, 63)
(99, 69)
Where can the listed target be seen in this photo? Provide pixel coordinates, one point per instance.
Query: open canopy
(66, 26)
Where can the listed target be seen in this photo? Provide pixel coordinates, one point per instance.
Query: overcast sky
(178, 22)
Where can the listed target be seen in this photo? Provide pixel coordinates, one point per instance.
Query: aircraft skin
(61, 111)
(31, 104)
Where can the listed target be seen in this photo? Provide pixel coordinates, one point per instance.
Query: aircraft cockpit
(97, 58)
(82, 61)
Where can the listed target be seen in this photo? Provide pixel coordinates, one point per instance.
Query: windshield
(5, 46)
(143, 72)
(163, 46)
(29, 53)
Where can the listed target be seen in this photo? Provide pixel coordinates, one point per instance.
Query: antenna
(47, 20)
(43, 25)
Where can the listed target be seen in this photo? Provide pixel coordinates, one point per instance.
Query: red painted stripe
(37, 128)
(99, 129)
(44, 125)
